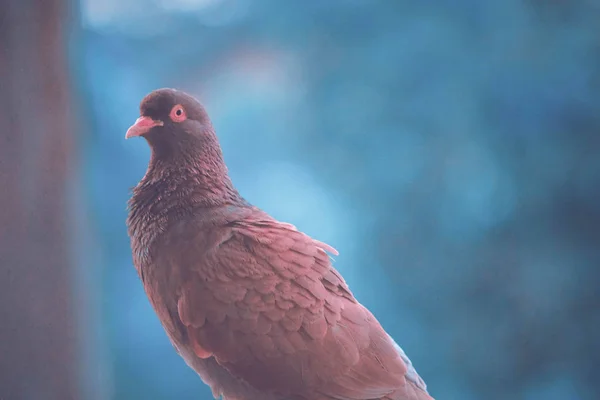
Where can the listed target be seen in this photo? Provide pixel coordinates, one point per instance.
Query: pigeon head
(173, 123)
(186, 156)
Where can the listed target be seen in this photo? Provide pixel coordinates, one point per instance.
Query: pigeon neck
(199, 180)
(175, 188)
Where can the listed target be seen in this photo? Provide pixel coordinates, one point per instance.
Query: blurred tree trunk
(38, 345)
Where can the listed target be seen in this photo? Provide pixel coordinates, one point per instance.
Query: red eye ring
(177, 113)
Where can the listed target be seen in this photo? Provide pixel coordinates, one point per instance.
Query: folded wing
(264, 300)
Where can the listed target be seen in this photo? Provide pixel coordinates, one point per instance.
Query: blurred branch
(37, 328)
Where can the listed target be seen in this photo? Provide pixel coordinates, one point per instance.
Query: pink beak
(141, 126)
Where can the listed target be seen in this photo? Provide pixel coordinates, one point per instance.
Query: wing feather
(266, 303)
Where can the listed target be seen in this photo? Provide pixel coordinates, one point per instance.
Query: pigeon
(252, 304)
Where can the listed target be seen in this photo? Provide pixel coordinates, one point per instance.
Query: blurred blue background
(448, 150)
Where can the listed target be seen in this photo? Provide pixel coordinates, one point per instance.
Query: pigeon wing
(266, 303)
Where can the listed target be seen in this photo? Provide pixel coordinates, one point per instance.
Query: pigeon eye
(178, 113)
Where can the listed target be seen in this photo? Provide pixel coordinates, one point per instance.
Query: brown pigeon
(253, 305)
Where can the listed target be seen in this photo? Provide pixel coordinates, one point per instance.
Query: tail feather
(409, 392)
(415, 388)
